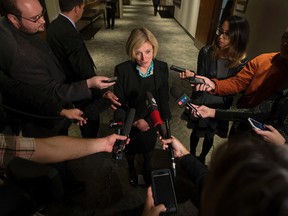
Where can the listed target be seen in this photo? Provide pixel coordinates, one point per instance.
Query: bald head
(25, 15)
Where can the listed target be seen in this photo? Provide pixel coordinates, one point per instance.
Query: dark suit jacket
(72, 53)
(28, 59)
(70, 49)
(131, 91)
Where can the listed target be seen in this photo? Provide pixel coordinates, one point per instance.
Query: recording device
(182, 99)
(154, 114)
(177, 69)
(110, 80)
(196, 80)
(257, 125)
(120, 144)
(163, 189)
(192, 80)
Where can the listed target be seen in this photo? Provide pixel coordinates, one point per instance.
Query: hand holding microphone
(183, 100)
(124, 130)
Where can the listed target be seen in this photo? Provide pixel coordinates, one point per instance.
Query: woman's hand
(186, 74)
(205, 111)
(208, 86)
(271, 135)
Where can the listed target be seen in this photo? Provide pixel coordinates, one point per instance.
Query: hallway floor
(108, 191)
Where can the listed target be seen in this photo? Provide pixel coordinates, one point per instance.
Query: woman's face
(223, 39)
(144, 55)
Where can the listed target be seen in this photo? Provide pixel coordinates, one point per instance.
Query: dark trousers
(110, 17)
(155, 9)
(207, 144)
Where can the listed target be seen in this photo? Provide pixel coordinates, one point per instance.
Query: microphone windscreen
(129, 121)
(156, 118)
(119, 115)
(151, 102)
(176, 92)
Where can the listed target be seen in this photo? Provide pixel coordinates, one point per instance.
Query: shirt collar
(73, 23)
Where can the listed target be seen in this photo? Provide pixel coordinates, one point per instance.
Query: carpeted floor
(108, 191)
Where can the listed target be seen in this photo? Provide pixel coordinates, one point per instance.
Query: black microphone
(118, 120)
(120, 144)
(182, 99)
(154, 114)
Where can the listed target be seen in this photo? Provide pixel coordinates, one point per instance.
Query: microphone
(182, 99)
(154, 114)
(118, 120)
(120, 144)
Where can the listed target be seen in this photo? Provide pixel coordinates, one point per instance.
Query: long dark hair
(239, 34)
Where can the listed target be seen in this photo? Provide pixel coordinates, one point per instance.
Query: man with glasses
(26, 58)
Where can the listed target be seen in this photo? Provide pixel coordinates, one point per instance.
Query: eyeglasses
(35, 19)
(219, 32)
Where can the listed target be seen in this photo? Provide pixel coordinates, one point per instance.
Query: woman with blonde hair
(142, 73)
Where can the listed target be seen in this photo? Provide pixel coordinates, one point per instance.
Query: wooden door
(207, 24)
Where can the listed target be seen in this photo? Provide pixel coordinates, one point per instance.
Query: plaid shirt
(14, 146)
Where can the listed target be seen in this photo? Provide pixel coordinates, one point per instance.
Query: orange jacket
(257, 81)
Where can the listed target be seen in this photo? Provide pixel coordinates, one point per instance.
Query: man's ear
(13, 20)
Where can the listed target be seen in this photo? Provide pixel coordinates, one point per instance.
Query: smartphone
(163, 189)
(177, 69)
(112, 79)
(196, 81)
(257, 125)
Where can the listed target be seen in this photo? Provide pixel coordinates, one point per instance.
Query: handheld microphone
(118, 120)
(154, 113)
(152, 108)
(120, 144)
(182, 99)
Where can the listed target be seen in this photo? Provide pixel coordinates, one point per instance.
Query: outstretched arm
(62, 148)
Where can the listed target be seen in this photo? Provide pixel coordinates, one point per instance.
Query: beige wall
(267, 18)
(52, 9)
(187, 15)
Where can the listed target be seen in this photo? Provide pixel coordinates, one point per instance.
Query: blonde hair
(137, 38)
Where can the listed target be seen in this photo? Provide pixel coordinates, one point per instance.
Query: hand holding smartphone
(110, 80)
(163, 189)
(196, 81)
(256, 125)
